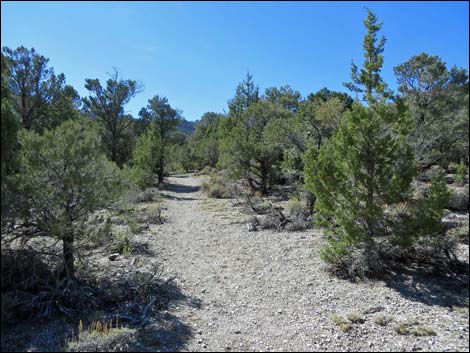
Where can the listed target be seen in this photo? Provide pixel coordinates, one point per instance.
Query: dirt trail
(266, 290)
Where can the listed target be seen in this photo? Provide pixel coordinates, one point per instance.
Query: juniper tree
(251, 152)
(145, 157)
(166, 120)
(365, 167)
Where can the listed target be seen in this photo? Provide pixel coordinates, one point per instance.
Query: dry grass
(354, 318)
(382, 320)
(342, 323)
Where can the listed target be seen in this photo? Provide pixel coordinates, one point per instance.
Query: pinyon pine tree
(63, 176)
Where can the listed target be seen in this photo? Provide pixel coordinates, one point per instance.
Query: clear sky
(195, 53)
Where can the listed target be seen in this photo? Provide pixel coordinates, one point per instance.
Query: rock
(459, 198)
(251, 227)
(374, 309)
(113, 257)
(420, 190)
(430, 173)
(237, 332)
(450, 178)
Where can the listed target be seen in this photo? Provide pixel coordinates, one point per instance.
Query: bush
(460, 233)
(8, 306)
(122, 243)
(25, 271)
(148, 195)
(217, 187)
(146, 157)
(102, 337)
(382, 320)
(342, 323)
(63, 177)
(152, 214)
(299, 216)
(461, 173)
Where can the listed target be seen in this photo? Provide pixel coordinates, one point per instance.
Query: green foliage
(41, 99)
(382, 320)
(284, 96)
(207, 138)
(425, 225)
(122, 242)
(217, 187)
(461, 173)
(355, 318)
(438, 100)
(160, 112)
(63, 177)
(251, 151)
(106, 105)
(368, 79)
(247, 93)
(9, 129)
(365, 168)
(146, 156)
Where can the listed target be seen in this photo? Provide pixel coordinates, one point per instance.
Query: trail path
(266, 290)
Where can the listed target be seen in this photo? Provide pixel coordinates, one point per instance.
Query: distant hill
(186, 126)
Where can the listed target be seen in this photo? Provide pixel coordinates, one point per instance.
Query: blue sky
(195, 53)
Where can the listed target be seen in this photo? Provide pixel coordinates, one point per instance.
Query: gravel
(241, 290)
(269, 291)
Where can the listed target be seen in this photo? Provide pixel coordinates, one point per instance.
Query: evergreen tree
(145, 157)
(106, 105)
(438, 100)
(247, 93)
(9, 127)
(41, 99)
(62, 178)
(251, 152)
(166, 120)
(368, 80)
(285, 96)
(365, 168)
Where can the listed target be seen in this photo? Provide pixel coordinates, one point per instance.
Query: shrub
(342, 323)
(101, 337)
(382, 320)
(63, 177)
(411, 329)
(217, 187)
(461, 173)
(122, 243)
(153, 214)
(299, 216)
(8, 306)
(146, 157)
(354, 318)
(460, 233)
(147, 195)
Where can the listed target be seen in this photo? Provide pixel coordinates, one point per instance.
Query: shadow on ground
(148, 323)
(431, 288)
(175, 198)
(182, 189)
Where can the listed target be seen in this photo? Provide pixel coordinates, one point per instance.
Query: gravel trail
(267, 291)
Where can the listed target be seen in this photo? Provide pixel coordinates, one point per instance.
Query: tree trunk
(68, 253)
(310, 202)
